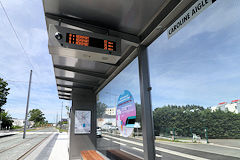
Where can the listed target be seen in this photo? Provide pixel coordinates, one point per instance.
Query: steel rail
(33, 148)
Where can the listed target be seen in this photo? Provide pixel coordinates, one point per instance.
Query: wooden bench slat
(91, 155)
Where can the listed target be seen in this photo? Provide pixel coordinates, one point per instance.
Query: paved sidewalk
(60, 149)
(5, 133)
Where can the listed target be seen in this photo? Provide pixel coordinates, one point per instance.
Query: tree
(68, 110)
(3, 92)
(37, 116)
(101, 107)
(6, 120)
(189, 119)
(3, 98)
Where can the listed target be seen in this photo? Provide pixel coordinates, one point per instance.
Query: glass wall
(115, 132)
(195, 86)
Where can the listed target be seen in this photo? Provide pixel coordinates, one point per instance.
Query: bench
(120, 155)
(91, 155)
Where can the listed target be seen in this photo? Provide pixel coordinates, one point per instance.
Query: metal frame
(89, 73)
(64, 98)
(63, 91)
(69, 86)
(165, 16)
(83, 83)
(132, 39)
(146, 105)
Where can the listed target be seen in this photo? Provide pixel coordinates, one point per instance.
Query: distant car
(106, 127)
(113, 128)
(99, 132)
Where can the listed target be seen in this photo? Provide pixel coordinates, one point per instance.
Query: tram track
(23, 156)
(17, 148)
(13, 146)
(10, 139)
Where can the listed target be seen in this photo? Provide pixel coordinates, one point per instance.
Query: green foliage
(6, 120)
(189, 119)
(16, 127)
(101, 107)
(3, 92)
(37, 116)
(68, 110)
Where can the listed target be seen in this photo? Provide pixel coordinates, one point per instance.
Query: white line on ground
(180, 154)
(138, 149)
(158, 155)
(119, 143)
(219, 145)
(106, 139)
(161, 149)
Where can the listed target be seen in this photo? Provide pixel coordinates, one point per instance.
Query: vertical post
(57, 120)
(146, 105)
(61, 117)
(206, 134)
(29, 87)
(1, 119)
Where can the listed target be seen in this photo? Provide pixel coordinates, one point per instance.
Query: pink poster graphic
(126, 114)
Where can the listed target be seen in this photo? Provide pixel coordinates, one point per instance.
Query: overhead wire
(18, 39)
(21, 45)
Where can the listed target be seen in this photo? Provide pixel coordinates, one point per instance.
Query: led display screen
(90, 41)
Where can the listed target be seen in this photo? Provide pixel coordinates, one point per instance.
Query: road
(170, 150)
(14, 147)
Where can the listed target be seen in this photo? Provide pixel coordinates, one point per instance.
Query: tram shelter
(92, 41)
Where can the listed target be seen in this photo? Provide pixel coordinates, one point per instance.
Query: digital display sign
(90, 41)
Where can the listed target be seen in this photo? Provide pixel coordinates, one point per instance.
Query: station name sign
(191, 13)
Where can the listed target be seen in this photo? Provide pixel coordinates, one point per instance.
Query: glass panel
(195, 86)
(115, 136)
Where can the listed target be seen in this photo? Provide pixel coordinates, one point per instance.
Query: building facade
(110, 111)
(20, 122)
(233, 106)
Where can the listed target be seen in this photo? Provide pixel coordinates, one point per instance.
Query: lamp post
(206, 134)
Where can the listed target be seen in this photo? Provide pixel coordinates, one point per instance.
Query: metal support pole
(146, 105)
(1, 119)
(29, 87)
(61, 117)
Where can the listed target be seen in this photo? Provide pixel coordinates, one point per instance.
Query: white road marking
(180, 154)
(158, 155)
(138, 149)
(119, 143)
(106, 139)
(224, 146)
(161, 149)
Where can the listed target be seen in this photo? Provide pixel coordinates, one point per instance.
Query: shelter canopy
(135, 22)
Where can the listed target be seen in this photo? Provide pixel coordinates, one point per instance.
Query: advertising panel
(126, 114)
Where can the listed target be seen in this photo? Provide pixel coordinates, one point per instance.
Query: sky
(198, 65)
(28, 20)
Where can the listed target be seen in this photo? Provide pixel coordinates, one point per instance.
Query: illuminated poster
(126, 113)
(82, 122)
